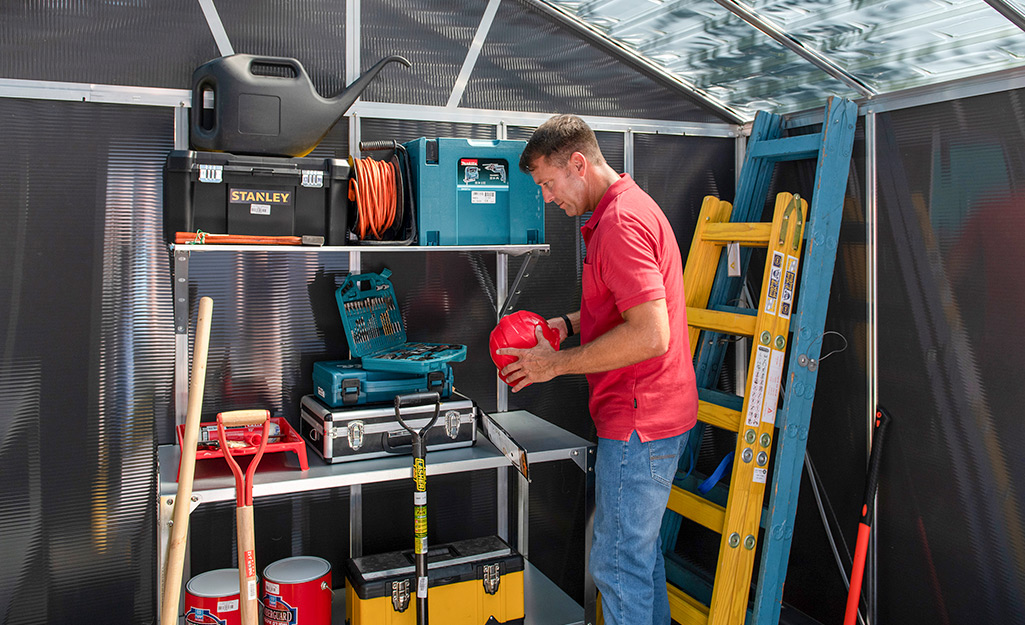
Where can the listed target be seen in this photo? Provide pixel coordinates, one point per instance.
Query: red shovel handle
(243, 486)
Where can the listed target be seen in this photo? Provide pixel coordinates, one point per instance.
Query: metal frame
(785, 39)
(636, 61)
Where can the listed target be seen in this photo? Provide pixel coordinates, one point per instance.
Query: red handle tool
(244, 506)
(865, 526)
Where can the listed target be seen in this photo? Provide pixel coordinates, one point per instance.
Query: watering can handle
(277, 61)
(207, 82)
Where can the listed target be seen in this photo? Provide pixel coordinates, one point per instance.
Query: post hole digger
(419, 450)
(244, 526)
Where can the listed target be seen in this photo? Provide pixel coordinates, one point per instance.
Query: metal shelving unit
(541, 441)
(280, 474)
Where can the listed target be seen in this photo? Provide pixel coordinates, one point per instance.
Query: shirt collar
(615, 190)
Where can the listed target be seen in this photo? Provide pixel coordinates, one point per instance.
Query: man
(634, 349)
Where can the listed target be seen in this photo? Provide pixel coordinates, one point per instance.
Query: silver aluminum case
(327, 430)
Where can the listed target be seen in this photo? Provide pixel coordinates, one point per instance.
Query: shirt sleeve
(630, 267)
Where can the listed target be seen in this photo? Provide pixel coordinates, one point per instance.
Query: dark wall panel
(148, 43)
(950, 348)
(87, 358)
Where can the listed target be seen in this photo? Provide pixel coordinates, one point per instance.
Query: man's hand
(536, 364)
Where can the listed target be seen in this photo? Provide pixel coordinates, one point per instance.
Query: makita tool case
(472, 192)
(345, 383)
(376, 334)
(470, 582)
(343, 434)
(222, 193)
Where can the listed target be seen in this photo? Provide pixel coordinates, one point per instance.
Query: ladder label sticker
(754, 401)
(772, 386)
(775, 274)
(789, 281)
(733, 259)
(760, 475)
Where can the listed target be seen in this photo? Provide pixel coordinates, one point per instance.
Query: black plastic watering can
(266, 105)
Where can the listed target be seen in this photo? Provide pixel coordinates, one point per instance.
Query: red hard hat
(518, 330)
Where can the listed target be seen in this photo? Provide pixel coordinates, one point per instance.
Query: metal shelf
(280, 474)
(545, 602)
(512, 249)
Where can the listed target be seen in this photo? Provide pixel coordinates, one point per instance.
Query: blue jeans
(632, 485)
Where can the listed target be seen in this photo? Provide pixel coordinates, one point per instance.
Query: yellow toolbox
(470, 582)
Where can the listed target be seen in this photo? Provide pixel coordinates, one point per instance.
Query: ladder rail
(808, 324)
(833, 148)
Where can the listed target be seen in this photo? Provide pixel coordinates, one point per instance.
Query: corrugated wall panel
(148, 43)
(87, 358)
(951, 308)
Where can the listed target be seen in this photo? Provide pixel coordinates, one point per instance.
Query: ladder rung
(787, 148)
(719, 416)
(721, 398)
(684, 609)
(724, 322)
(697, 509)
(746, 233)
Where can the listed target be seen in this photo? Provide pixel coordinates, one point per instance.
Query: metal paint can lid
(216, 583)
(296, 570)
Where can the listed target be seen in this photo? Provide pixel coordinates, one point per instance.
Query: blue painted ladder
(691, 590)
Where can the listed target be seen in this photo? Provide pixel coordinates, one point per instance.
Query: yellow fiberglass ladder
(738, 521)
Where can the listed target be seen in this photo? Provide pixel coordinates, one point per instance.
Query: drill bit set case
(373, 431)
(375, 331)
(339, 383)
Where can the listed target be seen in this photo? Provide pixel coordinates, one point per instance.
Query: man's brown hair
(557, 139)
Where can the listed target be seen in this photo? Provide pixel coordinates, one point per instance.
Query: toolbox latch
(210, 173)
(354, 432)
(313, 178)
(492, 578)
(350, 391)
(435, 380)
(452, 421)
(400, 595)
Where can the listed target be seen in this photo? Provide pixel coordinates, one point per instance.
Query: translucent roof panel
(886, 45)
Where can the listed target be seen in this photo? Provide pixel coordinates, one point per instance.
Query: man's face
(563, 185)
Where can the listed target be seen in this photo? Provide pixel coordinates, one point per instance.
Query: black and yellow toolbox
(470, 582)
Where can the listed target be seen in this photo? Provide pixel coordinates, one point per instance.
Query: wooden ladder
(763, 428)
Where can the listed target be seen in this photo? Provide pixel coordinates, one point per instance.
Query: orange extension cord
(373, 190)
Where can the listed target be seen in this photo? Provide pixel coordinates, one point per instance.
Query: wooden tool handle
(247, 566)
(254, 416)
(182, 500)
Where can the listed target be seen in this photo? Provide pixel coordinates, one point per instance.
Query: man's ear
(578, 161)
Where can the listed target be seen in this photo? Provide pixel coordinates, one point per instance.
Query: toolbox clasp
(492, 578)
(400, 595)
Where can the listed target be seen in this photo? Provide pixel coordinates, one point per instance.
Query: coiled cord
(373, 188)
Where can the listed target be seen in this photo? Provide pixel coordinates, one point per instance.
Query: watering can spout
(344, 100)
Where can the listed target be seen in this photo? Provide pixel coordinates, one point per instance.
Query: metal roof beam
(785, 39)
(635, 60)
(1008, 10)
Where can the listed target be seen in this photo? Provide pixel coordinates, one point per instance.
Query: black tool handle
(882, 420)
(418, 399)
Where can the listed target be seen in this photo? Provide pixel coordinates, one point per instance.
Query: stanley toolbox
(470, 582)
(375, 332)
(345, 383)
(223, 193)
(344, 434)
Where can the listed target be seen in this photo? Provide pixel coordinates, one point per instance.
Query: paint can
(297, 591)
(211, 598)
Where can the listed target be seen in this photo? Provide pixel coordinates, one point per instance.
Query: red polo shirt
(632, 258)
